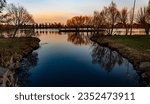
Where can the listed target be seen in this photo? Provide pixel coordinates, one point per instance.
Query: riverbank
(135, 48)
(12, 51)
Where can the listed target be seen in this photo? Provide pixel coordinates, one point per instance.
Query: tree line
(108, 18)
(111, 17)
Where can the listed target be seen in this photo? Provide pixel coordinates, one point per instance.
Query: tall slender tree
(142, 18)
(123, 16)
(112, 14)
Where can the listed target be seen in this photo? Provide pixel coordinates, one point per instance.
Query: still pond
(73, 60)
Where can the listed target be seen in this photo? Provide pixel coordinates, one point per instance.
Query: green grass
(135, 41)
(14, 42)
(5, 43)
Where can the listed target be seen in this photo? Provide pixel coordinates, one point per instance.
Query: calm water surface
(71, 59)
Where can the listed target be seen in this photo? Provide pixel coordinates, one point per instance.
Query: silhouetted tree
(98, 19)
(113, 14)
(142, 18)
(79, 21)
(45, 25)
(123, 16)
(19, 16)
(3, 17)
(110, 16)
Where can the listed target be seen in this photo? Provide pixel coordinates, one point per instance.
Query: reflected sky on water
(71, 59)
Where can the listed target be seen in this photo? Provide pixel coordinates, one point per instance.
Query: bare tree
(132, 17)
(78, 21)
(2, 5)
(111, 16)
(142, 18)
(123, 16)
(19, 16)
(99, 19)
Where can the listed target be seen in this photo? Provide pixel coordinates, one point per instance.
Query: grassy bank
(12, 50)
(135, 48)
(137, 41)
(16, 42)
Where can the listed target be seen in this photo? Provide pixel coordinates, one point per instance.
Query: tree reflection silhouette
(29, 62)
(105, 57)
(78, 38)
(20, 33)
(27, 33)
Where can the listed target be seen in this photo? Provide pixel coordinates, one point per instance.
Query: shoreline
(12, 52)
(140, 58)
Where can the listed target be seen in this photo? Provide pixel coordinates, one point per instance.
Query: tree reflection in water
(21, 33)
(27, 33)
(26, 64)
(78, 38)
(105, 57)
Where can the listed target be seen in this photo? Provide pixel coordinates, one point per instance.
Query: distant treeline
(110, 17)
(59, 25)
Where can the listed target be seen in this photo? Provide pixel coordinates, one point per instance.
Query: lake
(73, 60)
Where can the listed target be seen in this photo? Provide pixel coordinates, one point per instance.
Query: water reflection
(47, 32)
(27, 63)
(7, 33)
(108, 59)
(83, 63)
(78, 38)
(105, 57)
(121, 71)
(20, 33)
(27, 33)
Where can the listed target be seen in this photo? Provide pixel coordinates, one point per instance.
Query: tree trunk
(147, 31)
(15, 32)
(146, 26)
(126, 30)
(112, 28)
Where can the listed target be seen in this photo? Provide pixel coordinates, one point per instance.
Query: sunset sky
(61, 10)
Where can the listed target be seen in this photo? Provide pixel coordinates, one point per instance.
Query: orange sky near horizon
(52, 17)
(60, 10)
